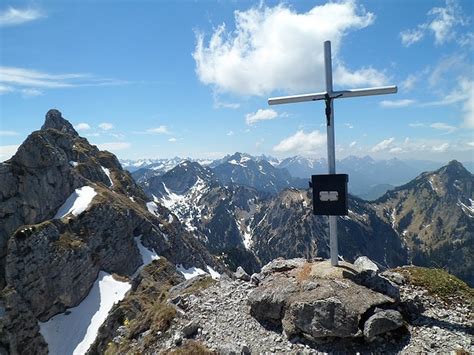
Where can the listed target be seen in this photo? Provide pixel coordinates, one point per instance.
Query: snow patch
(235, 162)
(77, 202)
(433, 187)
(147, 255)
(74, 331)
(191, 272)
(107, 172)
(185, 205)
(152, 208)
(214, 274)
(469, 210)
(393, 218)
(247, 237)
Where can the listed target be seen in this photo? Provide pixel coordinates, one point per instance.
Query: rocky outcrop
(46, 169)
(19, 330)
(382, 322)
(315, 300)
(51, 261)
(217, 316)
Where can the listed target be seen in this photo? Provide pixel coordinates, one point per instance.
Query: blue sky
(192, 78)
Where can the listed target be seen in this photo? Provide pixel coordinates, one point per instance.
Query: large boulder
(364, 263)
(316, 301)
(382, 322)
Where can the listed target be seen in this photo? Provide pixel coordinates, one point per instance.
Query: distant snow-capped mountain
(243, 169)
(217, 215)
(158, 166)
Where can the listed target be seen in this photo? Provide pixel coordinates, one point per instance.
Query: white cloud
(443, 127)
(409, 83)
(386, 144)
(396, 103)
(172, 139)
(412, 36)
(416, 124)
(106, 126)
(260, 115)
(229, 105)
(276, 48)
(471, 144)
(348, 125)
(445, 19)
(352, 144)
(29, 92)
(440, 148)
(30, 82)
(360, 77)
(13, 16)
(7, 151)
(230, 133)
(4, 89)
(464, 94)
(395, 150)
(82, 126)
(442, 23)
(301, 143)
(8, 133)
(160, 130)
(114, 146)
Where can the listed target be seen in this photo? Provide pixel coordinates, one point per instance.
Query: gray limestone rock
(382, 322)
(378, 283)
(280, 265)
(331, 308)
(190, 329)
(363, 263)
(55, 120)
(241, 274)
(19, 330)
(256, 279)
(395, 277)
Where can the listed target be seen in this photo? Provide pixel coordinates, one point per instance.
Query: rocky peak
(455, 169)
(55, 120)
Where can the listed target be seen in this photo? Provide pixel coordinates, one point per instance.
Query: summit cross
(328, 96)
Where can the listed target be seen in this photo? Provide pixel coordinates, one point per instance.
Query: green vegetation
(439, 282)
(199, 285)
(146, 307)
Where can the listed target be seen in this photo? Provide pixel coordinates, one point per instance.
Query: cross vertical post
(331, 144)
(328, 96)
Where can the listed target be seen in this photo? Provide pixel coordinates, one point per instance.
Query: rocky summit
(69, 214)
(291, 306)
(199, 260)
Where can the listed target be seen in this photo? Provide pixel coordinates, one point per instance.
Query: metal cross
(328, 96)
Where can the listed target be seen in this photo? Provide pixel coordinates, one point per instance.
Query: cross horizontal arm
(296, 98)
(382, 90)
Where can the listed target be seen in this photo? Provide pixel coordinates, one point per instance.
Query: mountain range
(77, 231)
(407, 224)
(369, 178)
